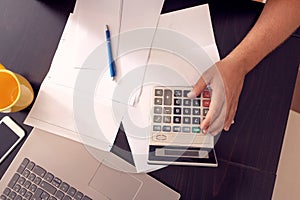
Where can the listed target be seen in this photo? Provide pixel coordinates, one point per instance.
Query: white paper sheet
(168, 67)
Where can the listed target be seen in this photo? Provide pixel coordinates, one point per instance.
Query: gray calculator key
(167, 128)
(186, 129)
(158, 92)
(186, 120)
(156, 128)
(185, 92)
(187, 102)
(196, 120)
(205, 111)
(177, 93)
(167, 110)
(186, 111)
(196, 111)
(168, 97)
(196, 102)
(157, 110)
(176, 129)
(167, 119)
(157, 119)
(158, 101)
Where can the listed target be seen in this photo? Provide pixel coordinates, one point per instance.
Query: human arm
(278, 20)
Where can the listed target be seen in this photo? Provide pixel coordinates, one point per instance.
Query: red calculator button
(206, 94)
(205, 103)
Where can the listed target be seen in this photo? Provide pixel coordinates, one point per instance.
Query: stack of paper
(78, 99)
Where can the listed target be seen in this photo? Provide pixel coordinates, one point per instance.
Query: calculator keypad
(174, 112)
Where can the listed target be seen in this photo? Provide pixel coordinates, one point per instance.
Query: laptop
(52, 167)
(176, 137)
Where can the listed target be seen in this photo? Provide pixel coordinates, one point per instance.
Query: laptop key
(12, 195)
(39, 171)
(49, 177)
(13, 181)
(49, 188)
(67, 198)
(37, 194)
(56, 182)
(71, 191)
(59, 195)
(78, 196)
(23, 166)
(86, 198)
(64, 187)
(28, 195)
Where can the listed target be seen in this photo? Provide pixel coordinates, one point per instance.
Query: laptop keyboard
(173, 111)
(32, 182)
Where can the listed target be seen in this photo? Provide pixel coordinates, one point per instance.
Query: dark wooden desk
(248, 155)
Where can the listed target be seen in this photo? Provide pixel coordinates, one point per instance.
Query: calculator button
(205, 103)
(196, 111)
(186, 111)
(158, 101)
(185, 92)
(158, 92)
(177, 111)
(157, 118)
(167, 119)
(166, 128)
(168, 97)
(167, 110)
(176, 129)
(186, 120)
(157, 110)
(186, 129)
(156, 128)
(186, 102)
(205, 111)
(177, 102)
(177, 119)
(177, 93)
(196, 102)
(196, 120)
(161, 137)
(196, 129)
(206, 94)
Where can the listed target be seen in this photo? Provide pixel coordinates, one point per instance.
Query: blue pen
(112, 66)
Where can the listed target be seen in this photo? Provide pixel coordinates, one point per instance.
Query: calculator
(176, 136)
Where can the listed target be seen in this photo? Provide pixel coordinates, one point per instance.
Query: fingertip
(192, 94)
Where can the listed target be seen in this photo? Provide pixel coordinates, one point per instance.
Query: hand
(226, 79)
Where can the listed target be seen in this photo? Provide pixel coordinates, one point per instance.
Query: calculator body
(176, 136)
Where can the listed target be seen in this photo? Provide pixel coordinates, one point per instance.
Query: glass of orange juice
(16, 92)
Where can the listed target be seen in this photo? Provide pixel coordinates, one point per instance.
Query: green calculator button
(196, 130)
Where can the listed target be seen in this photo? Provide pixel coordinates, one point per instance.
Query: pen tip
(106, 27)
